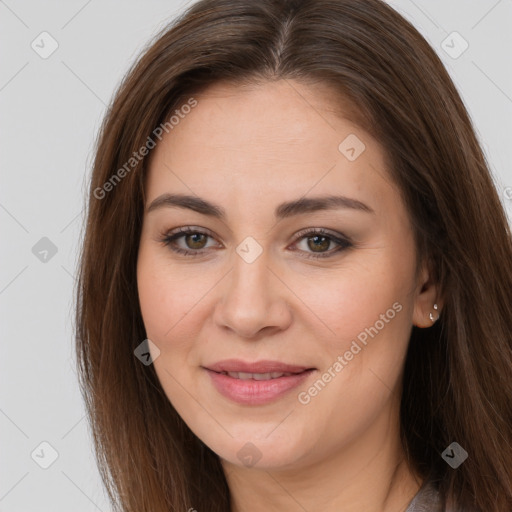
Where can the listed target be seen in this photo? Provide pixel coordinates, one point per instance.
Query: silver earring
(432, 316)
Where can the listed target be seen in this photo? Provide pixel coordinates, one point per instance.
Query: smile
(256, 376)
(256, 388)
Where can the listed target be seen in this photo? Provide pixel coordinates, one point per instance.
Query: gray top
(427, 499)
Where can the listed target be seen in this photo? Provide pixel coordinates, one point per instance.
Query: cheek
(175, 309)
(368, 311)
(164, 297)
(167, 299)
(357, 298)
(156, 303)
(362, 361)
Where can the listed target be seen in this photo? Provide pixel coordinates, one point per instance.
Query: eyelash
(169, 237)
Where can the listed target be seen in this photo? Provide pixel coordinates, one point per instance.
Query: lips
(257, 376)
(256, 383)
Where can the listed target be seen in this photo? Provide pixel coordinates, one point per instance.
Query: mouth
(258, 376)
(256, 368)
(256, 383)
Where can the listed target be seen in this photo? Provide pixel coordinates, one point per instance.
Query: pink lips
(256, 392)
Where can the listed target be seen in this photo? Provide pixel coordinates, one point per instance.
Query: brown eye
(195, 241)
(318, 243)
(193, 244)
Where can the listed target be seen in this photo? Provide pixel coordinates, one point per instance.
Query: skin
(248, 149)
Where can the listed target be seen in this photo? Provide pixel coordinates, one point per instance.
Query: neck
(369, 474)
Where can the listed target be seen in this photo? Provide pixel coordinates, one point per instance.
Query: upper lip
(266, 366)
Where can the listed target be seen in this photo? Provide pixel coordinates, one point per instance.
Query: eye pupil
(325, 244)
(193, 236)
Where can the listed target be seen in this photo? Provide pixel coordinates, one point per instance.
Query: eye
(193, 238)
(317, 240)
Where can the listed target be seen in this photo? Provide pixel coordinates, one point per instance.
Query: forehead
(265, 140)
(277, 114)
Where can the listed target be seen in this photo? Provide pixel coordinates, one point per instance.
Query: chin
(253, 450)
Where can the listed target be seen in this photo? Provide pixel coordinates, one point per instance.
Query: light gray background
(51, 110)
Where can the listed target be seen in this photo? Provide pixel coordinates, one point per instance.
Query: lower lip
(256, 392)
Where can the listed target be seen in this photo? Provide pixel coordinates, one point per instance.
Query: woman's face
(262, 281)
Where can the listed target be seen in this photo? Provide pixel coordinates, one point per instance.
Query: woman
(295, 287)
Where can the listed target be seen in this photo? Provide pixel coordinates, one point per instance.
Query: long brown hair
(457, 378)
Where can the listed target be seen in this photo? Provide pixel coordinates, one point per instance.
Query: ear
(427, 294)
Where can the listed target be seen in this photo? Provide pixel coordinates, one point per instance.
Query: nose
(254, 300)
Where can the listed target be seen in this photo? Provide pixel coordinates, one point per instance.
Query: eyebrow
(284, 210)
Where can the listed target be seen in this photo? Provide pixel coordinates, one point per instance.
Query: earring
(432, 316)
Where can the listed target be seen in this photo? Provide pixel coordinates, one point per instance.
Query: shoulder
(427, 499)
